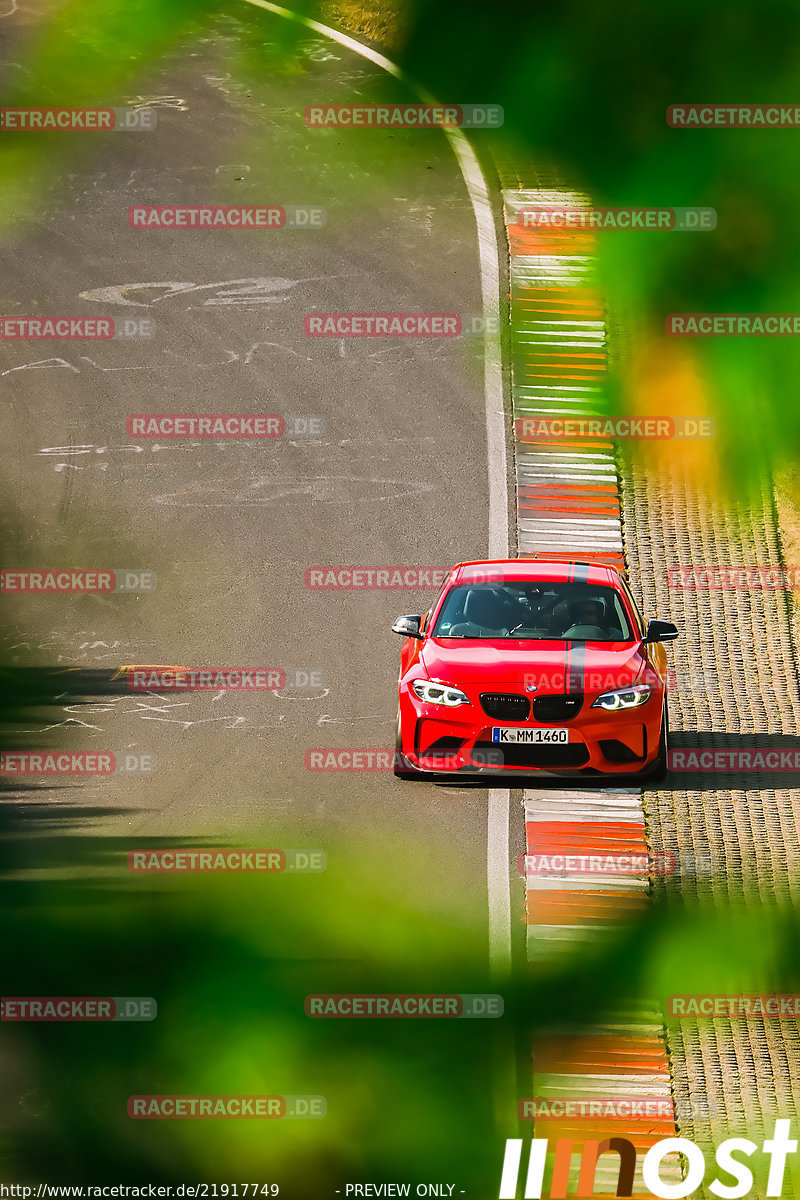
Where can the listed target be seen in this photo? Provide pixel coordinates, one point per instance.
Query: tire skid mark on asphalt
(568, 505)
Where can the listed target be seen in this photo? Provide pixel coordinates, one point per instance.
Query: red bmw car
(528, 666)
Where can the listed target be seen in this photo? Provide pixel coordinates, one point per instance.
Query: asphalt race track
(392, 472)
(230, 528)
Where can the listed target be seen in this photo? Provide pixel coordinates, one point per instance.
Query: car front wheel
(658, 770)
(402, 767)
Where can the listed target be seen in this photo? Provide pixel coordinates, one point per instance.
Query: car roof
(534, 570)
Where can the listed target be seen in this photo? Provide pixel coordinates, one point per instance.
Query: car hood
(551, 666)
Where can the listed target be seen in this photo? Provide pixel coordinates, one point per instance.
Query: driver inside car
(588, 620)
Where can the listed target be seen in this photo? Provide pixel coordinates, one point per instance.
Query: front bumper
(459, 740)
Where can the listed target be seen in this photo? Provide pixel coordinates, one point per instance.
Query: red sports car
(525, 665)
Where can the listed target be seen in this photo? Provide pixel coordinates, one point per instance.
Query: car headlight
(630, 697)
(438, 693)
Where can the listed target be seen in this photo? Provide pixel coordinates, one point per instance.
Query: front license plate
(502, 734)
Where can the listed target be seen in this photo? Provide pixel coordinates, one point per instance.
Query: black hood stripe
(575, 669)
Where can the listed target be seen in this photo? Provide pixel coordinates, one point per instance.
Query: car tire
(658, 770)
(402, 767)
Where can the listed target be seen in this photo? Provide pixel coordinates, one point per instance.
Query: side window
(634, 607)
(432, 609)
(621, 617)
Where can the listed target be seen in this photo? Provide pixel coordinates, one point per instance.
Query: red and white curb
(567, 492)
(568, 507)
(563, 905)
(624, 1056)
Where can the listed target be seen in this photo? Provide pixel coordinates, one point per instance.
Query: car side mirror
(661, 631)
(408, 626)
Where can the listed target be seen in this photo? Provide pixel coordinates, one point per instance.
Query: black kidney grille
(505, 706)
(557, 708)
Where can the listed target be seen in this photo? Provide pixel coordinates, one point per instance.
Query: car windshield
(534, 611)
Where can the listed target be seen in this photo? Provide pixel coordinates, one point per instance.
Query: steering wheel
(590, 632)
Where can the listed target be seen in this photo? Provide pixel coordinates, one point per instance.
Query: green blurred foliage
(586, 87)
(230, 960)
